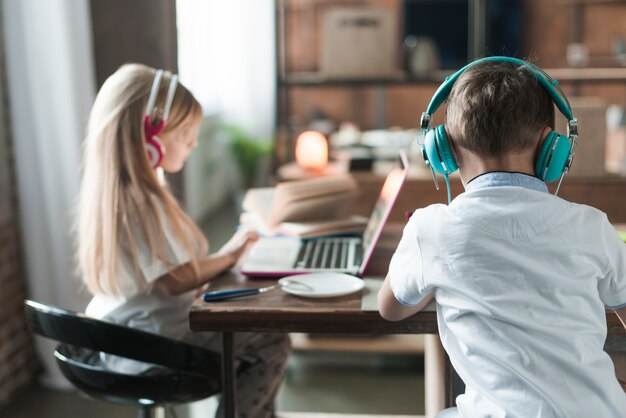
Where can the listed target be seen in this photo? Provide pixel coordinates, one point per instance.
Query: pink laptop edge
(370, 250)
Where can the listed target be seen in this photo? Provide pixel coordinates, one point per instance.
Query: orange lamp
(312, 151)
(393, 182)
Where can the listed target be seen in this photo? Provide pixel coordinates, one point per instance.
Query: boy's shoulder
(487, 203)
(434, 210)
(431, 218)
(509, 213)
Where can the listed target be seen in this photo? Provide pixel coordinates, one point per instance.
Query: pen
(220, 295)
(235, 293)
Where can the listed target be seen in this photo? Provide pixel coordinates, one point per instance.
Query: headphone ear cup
(154, 150)
(437, 149)
(447, 157)
(430, 154)
(553, 157)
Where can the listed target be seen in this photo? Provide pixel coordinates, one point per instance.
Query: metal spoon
(237, 293)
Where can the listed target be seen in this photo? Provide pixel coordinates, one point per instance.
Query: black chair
(181, 373)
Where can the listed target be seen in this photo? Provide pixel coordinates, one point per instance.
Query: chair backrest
(78, 329)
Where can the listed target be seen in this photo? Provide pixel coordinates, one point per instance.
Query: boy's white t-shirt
(521, 279)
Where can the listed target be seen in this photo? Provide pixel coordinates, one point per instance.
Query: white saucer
(321, 285)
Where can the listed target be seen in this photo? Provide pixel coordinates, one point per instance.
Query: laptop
(283, 256)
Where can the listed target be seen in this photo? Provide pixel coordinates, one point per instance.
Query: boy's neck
(471, 165)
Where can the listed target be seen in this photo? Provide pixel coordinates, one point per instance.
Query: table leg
(458, 386)
(228, 376)
(454, 384)
(434, 375)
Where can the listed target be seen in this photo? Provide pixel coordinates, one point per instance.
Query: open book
(303, 208)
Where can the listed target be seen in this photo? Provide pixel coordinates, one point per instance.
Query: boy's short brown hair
(496, 108)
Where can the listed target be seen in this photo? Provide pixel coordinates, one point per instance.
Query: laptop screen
(382, 208)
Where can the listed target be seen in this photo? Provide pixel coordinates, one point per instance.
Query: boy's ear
(542, 138)
(455, 154)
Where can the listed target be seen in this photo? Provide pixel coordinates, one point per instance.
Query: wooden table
(281, 312)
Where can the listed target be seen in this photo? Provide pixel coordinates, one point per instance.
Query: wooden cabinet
(605, 193)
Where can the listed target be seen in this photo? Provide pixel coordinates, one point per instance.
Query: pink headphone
(154, 125)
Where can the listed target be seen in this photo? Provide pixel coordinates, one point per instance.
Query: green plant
(248, 151)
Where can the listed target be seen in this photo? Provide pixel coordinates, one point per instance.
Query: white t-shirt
(521, 279)
(145, 306)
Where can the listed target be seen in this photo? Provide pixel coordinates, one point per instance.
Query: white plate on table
(321, 285)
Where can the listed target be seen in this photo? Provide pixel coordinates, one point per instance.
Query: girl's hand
(238, 244)
(187, 277)
(200, 290)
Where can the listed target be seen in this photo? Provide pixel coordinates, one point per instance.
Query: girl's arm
(185, 277)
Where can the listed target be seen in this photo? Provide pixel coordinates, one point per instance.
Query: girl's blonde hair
(120, 192)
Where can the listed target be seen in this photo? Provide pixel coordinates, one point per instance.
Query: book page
(310, 188)
(312, 199)
(259, 201)
(313, 209)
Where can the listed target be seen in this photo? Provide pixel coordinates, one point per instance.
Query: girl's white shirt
(140, 299)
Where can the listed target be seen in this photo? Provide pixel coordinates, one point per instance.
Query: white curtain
(226, 56)
(51, 89)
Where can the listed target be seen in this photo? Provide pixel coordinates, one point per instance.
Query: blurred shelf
(389, 344)
(286, 414)
(603, 192)
(292, 171)
(312, 79)
(317, 79)
(588, 74)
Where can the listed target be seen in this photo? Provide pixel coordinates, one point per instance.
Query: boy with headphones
(521, 277)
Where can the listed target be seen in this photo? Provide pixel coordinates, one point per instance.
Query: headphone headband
(551, 86)
(154, 125)
(154, 92)
(555, 156)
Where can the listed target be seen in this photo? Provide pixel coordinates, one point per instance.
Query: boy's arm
(392, 310)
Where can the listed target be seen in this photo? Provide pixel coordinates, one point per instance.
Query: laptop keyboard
(332, 253)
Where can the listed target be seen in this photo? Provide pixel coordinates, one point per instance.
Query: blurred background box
(355, 157)
(359, 42)
(616, 140)
(589, 158)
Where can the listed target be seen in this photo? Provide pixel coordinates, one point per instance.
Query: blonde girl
(140, 255)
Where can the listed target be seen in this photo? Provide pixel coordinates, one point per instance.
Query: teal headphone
(556, 154)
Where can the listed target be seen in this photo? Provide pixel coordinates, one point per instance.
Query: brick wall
(18, 363)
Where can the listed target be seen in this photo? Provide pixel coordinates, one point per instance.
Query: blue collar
(505, 178)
